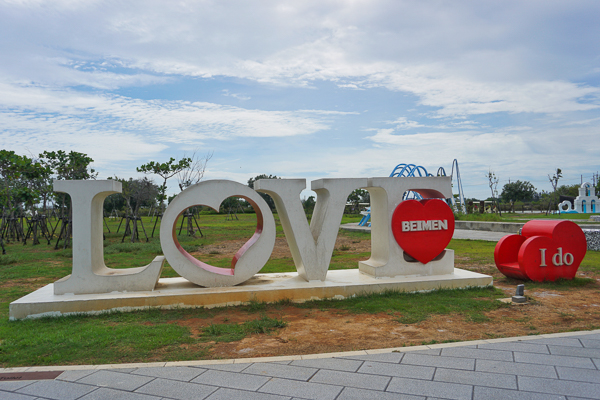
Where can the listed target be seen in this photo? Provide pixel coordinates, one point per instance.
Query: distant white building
(587, 200)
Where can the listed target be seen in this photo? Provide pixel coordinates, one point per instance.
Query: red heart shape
(423, 228)
(545, 251)
(506, 256)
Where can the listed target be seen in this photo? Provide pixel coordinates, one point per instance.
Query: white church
(586, 202)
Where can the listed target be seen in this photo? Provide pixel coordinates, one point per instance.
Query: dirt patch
(227, 249)
(324, 331)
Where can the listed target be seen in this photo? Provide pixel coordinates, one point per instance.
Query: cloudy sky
(308, 89)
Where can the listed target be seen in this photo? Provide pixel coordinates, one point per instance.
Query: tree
(554, 182)
(73, 165)
(265, 196)
(10, 166)
(309, 204)
(166, 171)
(568, 190)
(518, 191)
(358, 196)
(194, 172)
(493, 183)
(137, 193)
(20, 176)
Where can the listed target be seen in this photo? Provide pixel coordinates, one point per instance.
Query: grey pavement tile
(590, 343)
(434, 398)
(10, 386)
(234, 380)
(487, 393)
(398, 370)
(115, 380)
(394, 357)
(281, 371)
(578, 374)
(113, 394)
(562, 387)
(122, 370)
(304, 390)
(439, 361)
(476, 378)
(363, 394)
(574, 351)
(517, 346)
(15, 396)
(480, 354)
(227, 367)
(75, 374)
(58, 390)
(185, 374)
(596, 362)
(337, 364)
(234, 394)
(503, 367)
(430, 388)
(429, 352)
(576, 398)
(176, 389)
(564, 341)
(565, 361)
(592, 336)
(351, 379)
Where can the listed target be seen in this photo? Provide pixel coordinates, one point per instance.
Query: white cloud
(492, 84)
(164, 121)
(465, 59)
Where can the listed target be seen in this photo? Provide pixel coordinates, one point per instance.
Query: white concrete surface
(90, 274)
(387, 257)
(179, 292)
(311, 247)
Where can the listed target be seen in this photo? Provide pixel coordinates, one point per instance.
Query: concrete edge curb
(298, 357)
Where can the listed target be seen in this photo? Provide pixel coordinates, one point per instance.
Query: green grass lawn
(152, 336)
(523, 217)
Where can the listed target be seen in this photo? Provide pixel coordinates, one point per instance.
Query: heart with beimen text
(423, 228)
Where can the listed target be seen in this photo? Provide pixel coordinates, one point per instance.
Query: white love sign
(311, 245)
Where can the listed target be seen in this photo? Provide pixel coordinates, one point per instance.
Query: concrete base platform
(179, 292)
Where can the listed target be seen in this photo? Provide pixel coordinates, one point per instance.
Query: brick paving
(562, 366)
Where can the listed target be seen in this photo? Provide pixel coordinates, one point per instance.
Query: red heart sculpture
(545, 251)
(423, 228)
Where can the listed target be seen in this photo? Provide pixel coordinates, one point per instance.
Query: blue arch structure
(406, 171)
(413, 170)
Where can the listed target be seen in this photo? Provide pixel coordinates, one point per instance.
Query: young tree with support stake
(166, 171)
(18, 192)
(194, 172)
(493, 183)
(67, 166)
(554, 182)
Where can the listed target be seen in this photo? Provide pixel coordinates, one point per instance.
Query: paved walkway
(556, 366)
(478, 235)
(458, 233)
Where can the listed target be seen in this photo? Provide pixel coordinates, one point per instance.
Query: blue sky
(310, 89)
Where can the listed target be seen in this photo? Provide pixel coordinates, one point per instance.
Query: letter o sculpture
(248, 260)
(565, 206)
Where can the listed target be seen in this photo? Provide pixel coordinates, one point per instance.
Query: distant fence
(488, 207)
